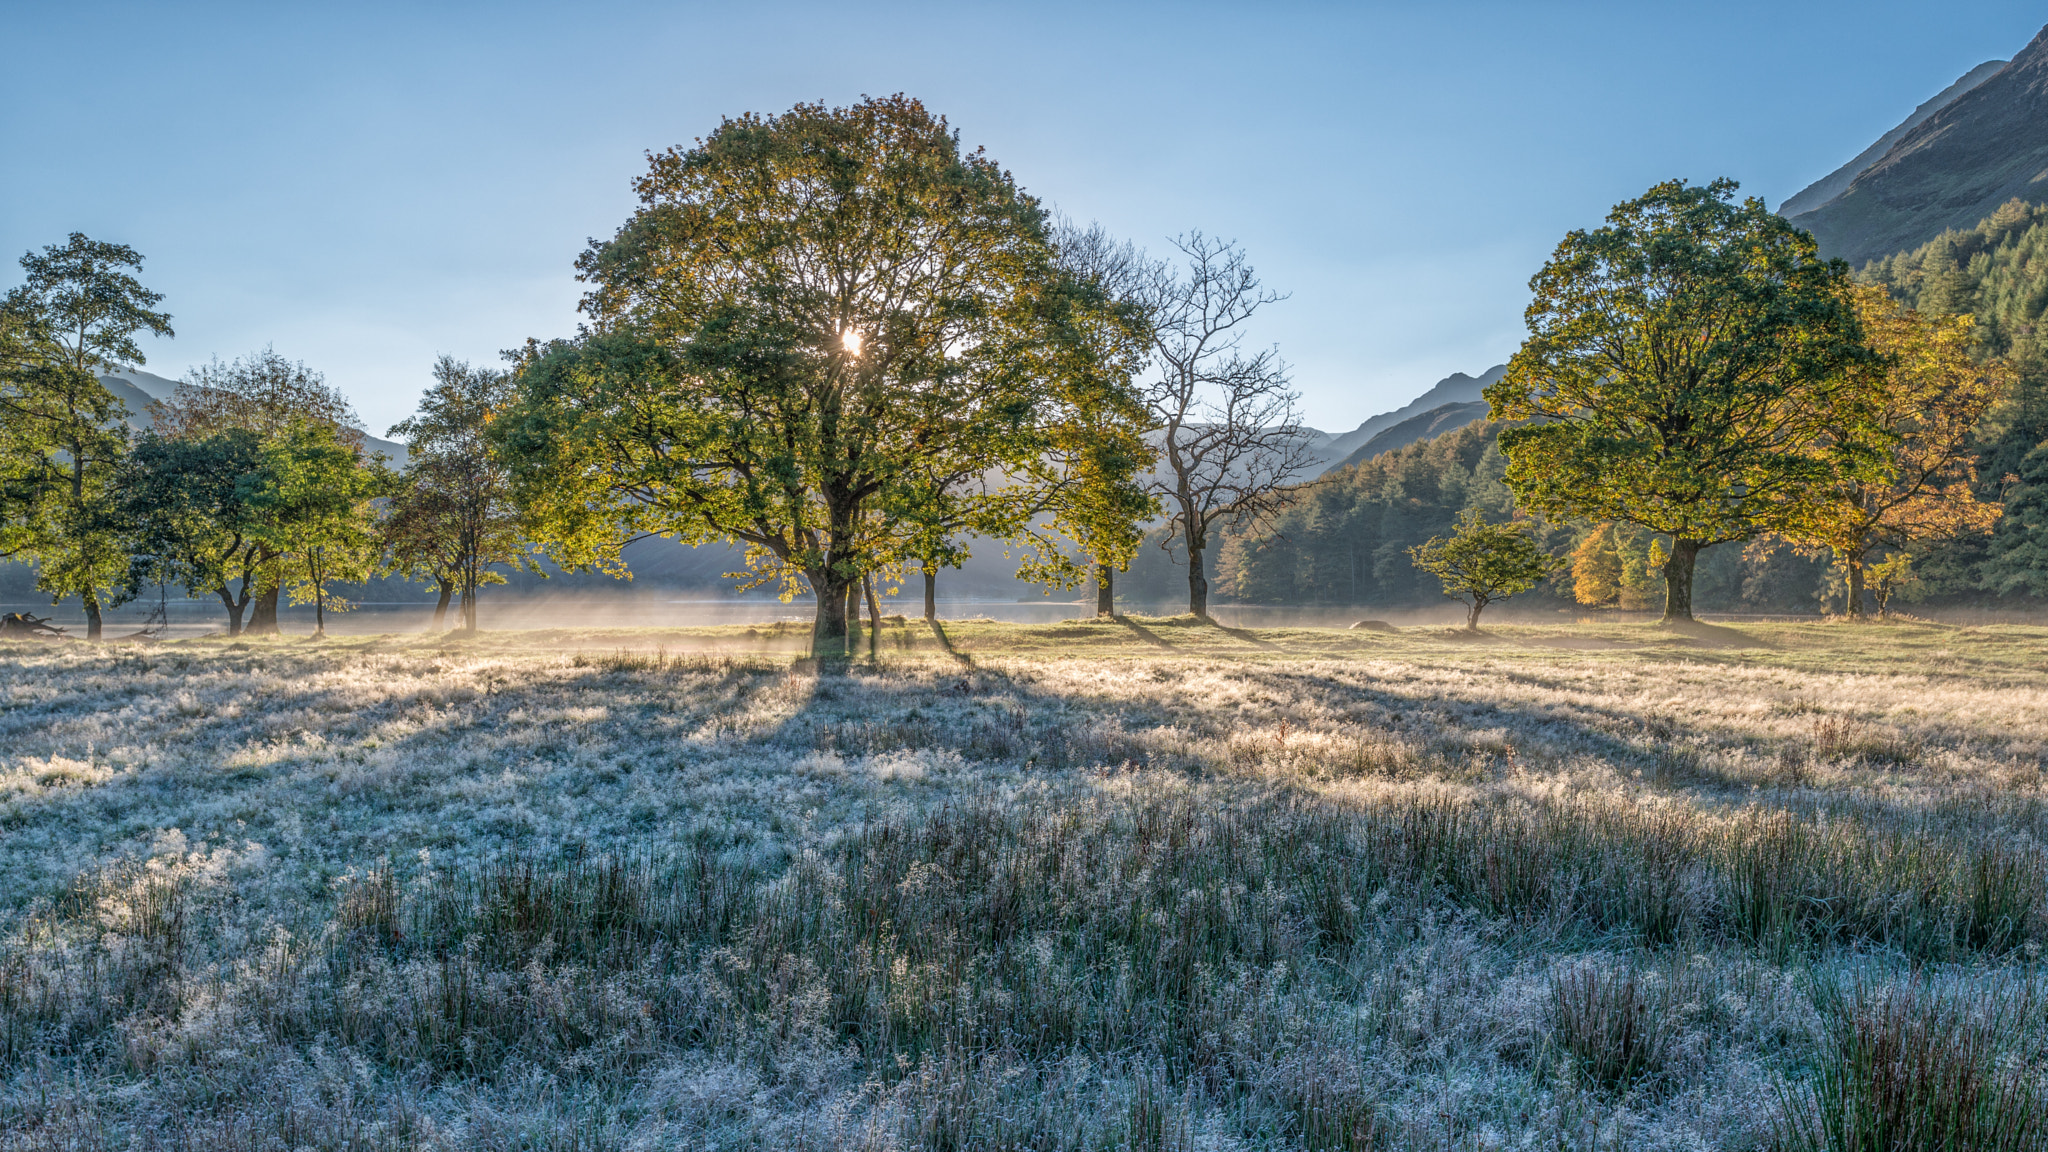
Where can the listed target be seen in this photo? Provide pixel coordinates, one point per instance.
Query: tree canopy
(1682, 362)
(78, 310)
(1481, 563)
(806, 315)
(1923, 396)
(451, 518)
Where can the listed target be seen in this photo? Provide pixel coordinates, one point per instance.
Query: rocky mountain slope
(1954, 168)
(1837, 182)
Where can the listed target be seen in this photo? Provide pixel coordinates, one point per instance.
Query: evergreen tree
(2018, 557)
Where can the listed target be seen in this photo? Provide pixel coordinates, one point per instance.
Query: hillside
(1837, 182)
(1344, 448)
(1434, 422)
(1954, 168)
(138, 389)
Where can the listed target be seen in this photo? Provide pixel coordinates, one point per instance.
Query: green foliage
(1683, 363)
(77, 310)
(2017, 560)
(451, 519)
(311, 495)
(1482, 562)
(265, 396)
(186, 517)
(814, 324)
(1997, 273)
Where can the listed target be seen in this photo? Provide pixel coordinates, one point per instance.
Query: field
(1148, 885)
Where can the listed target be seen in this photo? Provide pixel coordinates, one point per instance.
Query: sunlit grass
(1145, 883)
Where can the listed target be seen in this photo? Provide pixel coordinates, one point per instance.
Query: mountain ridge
(1828, 187)
(1987, 146)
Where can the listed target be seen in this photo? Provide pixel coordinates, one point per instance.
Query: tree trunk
(867, 586)
(1678, 579)
(852, 617)
(1198, 584)
(1855, 587)
(263, 617)
(93, 624)
(227, 600)
(931, 592)
(319, 600)
(441, 605)
(1105, 591)
(1472, 615)
(828, 631)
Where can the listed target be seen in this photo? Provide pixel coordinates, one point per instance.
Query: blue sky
(366, 186)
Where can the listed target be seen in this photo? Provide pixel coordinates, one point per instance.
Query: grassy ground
(1144, 884)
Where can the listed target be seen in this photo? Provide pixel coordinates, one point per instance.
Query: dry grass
(1151, 884)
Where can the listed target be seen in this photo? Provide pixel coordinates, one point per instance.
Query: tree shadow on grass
(1144, 633)
(946, 643)
(1247, 637)
(1699, 634)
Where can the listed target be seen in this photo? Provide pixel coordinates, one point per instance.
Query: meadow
(1147, 884)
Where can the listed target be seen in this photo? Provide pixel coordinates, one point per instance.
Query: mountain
(139, 389)
(1837, 182)
(1435, 422)
(1953, 169)
(1338, 449)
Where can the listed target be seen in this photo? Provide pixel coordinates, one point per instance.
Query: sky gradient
(367, 186)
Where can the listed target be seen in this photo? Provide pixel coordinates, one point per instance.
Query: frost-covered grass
(1149, 884)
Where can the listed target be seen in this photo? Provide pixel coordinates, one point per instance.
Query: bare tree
(1230, 436)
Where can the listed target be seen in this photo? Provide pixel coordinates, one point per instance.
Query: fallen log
(21, 625)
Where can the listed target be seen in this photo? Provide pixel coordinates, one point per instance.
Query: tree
(1101, 441)
(77, 310)
(421, 531)
(1681, 363)
(1230, 438)
(453, 519)
(1890, 576)
(267, 396)
(1482, 563)
(184, 511)
(312, 493)
(1924, 397)
(1597, 568)
(805, 311)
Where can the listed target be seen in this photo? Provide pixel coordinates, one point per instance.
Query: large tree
(807, 312)
(77, 311)
(453, 519)
(1230, 437)
(1682, 362)
(266, 395)
(1925, 396)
